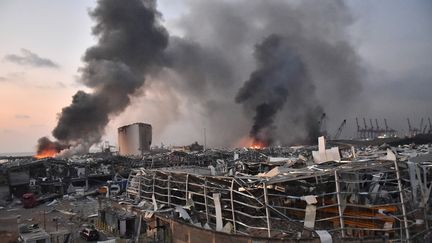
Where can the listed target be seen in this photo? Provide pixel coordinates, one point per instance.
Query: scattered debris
(52, 203)
(303, 192)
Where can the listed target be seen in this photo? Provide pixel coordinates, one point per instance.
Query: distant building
(195, 147)
(134, 139)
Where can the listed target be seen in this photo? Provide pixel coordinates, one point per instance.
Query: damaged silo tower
(134, 139)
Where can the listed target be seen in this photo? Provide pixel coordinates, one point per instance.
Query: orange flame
(257, 145)
(250, 143)
(46, 153)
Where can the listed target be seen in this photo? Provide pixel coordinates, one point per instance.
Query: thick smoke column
(45, 144)
(304, 65)
(280, 75)
(130, 43)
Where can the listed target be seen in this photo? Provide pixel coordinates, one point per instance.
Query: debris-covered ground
(58, 217)
(341, 191)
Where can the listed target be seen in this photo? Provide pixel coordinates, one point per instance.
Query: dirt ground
(67, 215)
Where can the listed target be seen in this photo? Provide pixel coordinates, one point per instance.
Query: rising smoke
(45, 144)
(267, 69)
(130, 44)
(304, 65)
(281, 77)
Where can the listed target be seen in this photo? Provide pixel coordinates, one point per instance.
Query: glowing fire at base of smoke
(257, 145)
(47, 153)
(251, 143)
(48, 149)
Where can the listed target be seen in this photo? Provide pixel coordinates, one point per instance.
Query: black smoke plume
(45, 144)
(303, 66)
(130, 44)
(281, 76)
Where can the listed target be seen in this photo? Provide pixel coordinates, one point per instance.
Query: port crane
(372, 131)
(339, 130)
(386, 126)
(365, 128)
(421, 125)
(359, 131)
(410, 129)
(430, 125)
(321, 124)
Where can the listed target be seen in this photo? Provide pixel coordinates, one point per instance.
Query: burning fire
(251, 143)
(46, 153)
(48, 149)
(257, 145)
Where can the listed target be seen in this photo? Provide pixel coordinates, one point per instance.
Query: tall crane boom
(358, 126)
(371, 131)
(421, 125)
(409, 127)
(339, 130)
(386, 126)
(365, 128)
(360, 132)
(321, 124)
(430, 125)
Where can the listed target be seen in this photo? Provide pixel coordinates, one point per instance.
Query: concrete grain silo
(134, 139)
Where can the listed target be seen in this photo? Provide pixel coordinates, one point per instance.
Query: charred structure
(276, 194)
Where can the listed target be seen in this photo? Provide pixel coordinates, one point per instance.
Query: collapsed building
(369, 195)
(60, 176)
(318, 193)
(52, 178)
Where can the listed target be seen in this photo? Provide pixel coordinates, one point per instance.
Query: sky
(42, 42)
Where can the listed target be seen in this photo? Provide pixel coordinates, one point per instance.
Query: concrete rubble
(325, 193)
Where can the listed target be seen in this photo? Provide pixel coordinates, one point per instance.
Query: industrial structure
(374, 195)
(134, 139)
(343, 193)
(373, 132)
(414, 131)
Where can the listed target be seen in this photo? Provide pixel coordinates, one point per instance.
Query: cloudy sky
(42, 43)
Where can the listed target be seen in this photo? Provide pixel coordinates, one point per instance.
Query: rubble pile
(309, 193)
(373, 192)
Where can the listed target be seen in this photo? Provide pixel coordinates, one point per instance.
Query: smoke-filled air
(281, 77)
(256, 71)
(130, 43)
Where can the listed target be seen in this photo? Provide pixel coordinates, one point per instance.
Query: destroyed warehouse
(324, 193)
